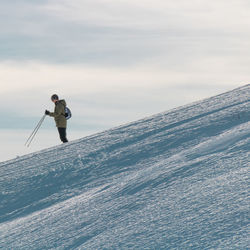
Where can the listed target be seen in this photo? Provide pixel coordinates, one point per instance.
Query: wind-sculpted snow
(177, 180)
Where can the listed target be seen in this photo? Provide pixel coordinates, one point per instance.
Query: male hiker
(59, 116)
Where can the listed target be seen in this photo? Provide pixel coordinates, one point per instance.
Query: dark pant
(62, 133)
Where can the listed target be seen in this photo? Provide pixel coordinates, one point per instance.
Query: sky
(113, 61)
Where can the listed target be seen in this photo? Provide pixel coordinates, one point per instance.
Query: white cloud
(124, 32)
(108, 49)
(193, 14)
(72, 79)
(77, 79)
(116, 61)
(115, 93)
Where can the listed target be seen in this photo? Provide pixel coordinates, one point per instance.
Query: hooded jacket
(59, 114)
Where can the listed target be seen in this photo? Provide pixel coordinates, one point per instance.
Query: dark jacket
(59, 114)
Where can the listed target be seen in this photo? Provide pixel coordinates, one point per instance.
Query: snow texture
(176, 180)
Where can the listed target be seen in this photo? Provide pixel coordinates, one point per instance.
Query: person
(59, 116)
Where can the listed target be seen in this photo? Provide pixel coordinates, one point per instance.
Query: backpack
(68, 113)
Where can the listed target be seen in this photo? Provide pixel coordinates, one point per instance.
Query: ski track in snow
(176, 180)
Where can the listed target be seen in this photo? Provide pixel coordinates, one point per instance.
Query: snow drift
(176, 180)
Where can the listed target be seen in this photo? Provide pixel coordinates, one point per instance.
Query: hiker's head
(54, 98)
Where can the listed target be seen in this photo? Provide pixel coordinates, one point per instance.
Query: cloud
(115, 61)
(101, 96)
(75, 79)
(108, 49)
(125, 33)
(151, 15)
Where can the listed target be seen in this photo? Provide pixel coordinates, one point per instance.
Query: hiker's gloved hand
(47, 112)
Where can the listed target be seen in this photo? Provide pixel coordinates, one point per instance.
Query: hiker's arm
(58, 111)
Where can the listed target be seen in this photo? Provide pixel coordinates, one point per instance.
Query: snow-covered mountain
(176, 180)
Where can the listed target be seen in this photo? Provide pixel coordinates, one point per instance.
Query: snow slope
(176, 180)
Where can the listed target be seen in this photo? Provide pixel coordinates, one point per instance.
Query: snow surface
(177, 180)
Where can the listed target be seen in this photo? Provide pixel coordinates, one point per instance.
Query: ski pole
(38, 125)
(28, 142)
(36, 130)
(30, 139)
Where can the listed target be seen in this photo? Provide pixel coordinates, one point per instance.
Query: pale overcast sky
(114, 61)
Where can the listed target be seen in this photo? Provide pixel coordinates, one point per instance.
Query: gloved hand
(47, 112)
